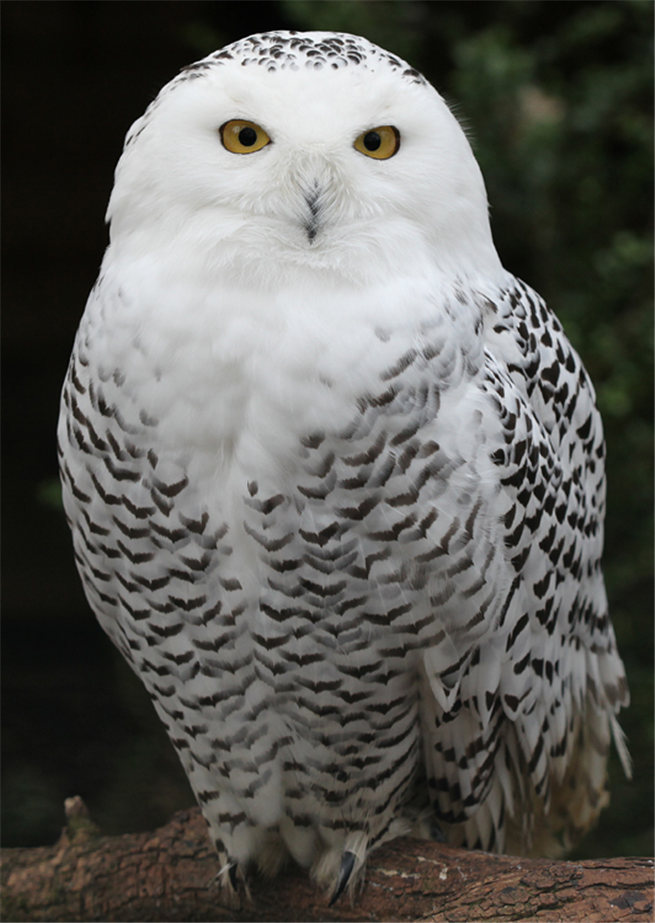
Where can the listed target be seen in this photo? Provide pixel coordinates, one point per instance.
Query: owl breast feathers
(335, 478)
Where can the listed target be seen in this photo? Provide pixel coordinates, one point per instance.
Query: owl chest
(264, 501)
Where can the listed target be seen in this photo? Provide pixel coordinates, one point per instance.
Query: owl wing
(517, 724)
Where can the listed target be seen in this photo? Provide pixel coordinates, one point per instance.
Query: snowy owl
(335, 477)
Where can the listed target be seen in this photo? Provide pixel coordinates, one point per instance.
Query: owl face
(298, 165)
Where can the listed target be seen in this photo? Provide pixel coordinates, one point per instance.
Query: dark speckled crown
(297, 50)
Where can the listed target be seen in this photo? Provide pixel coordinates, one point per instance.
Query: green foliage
(390, 23)
(48, 493)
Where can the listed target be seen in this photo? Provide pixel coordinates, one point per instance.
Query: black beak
(312, 224)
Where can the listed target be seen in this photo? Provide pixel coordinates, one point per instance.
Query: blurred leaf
(48, 493)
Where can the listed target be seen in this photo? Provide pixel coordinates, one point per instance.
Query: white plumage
(335, 477)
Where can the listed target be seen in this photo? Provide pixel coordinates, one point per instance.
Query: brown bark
(167, 875)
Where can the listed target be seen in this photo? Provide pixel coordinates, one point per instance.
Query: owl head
(288, 153)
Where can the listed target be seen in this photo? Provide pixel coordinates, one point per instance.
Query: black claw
(232, 872)
(436, 832)
(347, 866)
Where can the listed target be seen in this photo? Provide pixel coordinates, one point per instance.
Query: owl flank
(335, 478)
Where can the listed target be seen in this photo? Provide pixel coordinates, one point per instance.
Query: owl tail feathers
(579, 794)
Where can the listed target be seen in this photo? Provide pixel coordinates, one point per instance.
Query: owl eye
(381, 143)
(242, 137)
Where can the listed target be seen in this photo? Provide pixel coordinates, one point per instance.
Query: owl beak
(312, 222)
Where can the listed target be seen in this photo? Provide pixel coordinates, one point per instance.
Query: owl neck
(267, 258)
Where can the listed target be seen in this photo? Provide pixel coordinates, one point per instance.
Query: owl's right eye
(379, 143)
(242, 137)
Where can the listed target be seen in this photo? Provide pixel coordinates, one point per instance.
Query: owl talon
(436, 833)
(347, 866)
(232, 885)
(233, 873)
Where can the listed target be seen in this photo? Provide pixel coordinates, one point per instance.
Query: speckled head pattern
(275, 51)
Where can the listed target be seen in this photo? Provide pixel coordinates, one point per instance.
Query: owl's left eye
(242, 137)
(381, 143)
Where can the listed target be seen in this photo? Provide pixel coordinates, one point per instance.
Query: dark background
(557, 100)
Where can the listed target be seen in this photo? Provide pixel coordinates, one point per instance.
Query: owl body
(335, 477)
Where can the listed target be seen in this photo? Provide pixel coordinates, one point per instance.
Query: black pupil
(372, 141)
(247, 136)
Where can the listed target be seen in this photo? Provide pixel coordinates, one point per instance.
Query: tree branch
(167, 876)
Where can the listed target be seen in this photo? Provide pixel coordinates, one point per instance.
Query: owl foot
(233, 887)
(347, 866)
(436, 833)
(419, 823)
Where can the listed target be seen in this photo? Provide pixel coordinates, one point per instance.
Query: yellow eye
(381, 143)
(242, 137)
